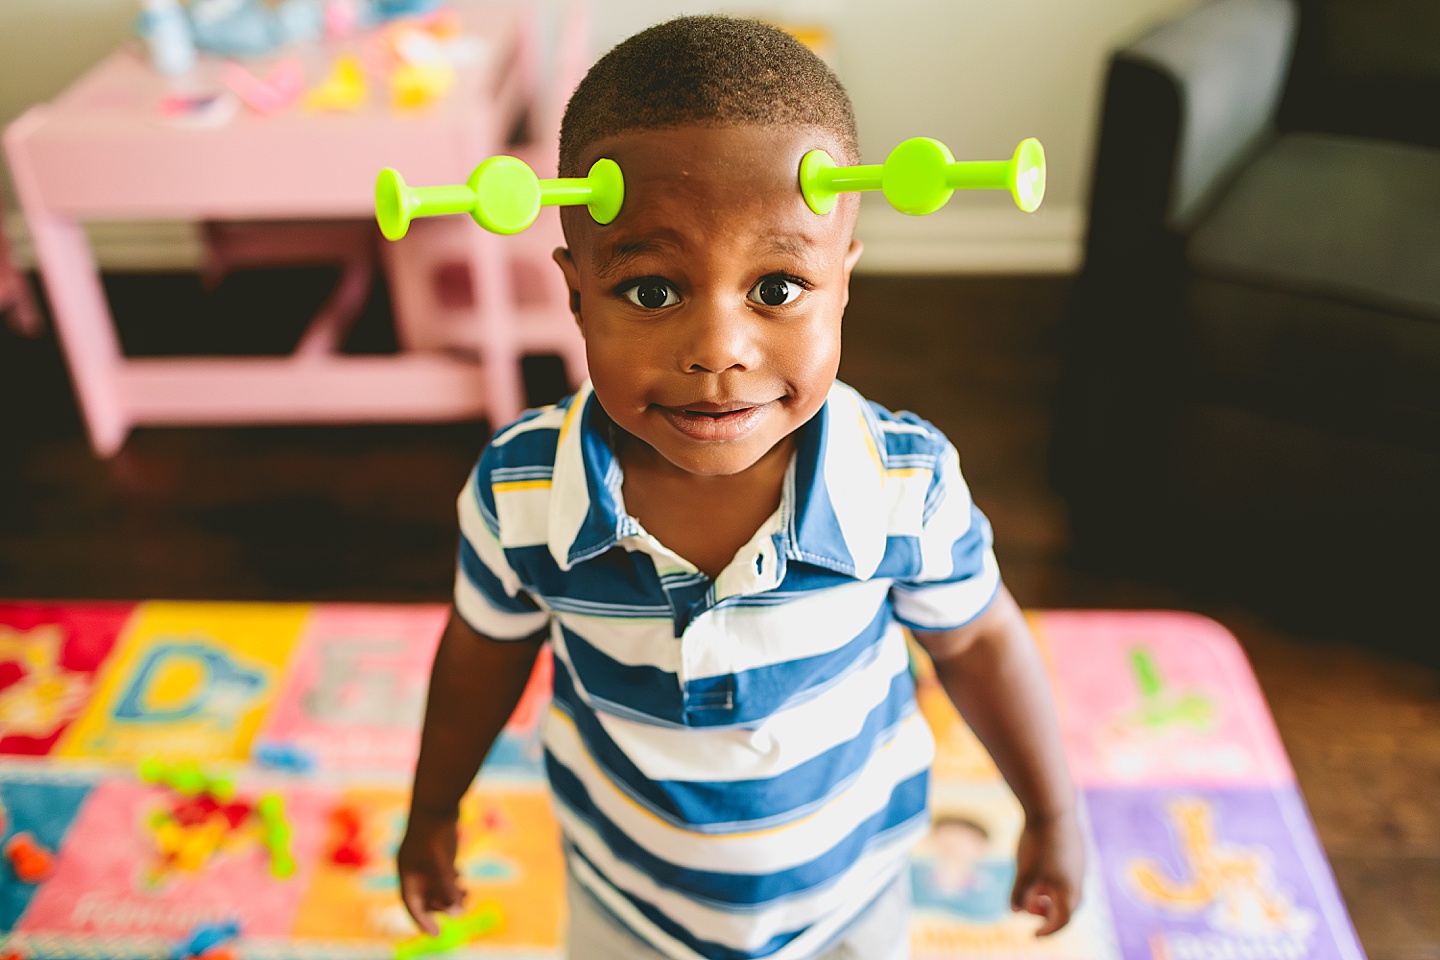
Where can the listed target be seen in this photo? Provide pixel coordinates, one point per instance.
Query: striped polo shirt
(739, 766)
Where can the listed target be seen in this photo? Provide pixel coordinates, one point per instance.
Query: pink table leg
(77, 300)
(15, 295)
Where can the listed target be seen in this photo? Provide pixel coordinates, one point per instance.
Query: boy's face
(711, 305)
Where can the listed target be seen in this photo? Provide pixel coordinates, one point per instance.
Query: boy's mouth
(715, 421)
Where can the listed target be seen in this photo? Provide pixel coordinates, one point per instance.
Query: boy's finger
(1050, 905)
(412, 894)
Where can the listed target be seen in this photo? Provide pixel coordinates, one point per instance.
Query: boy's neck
(705, 519)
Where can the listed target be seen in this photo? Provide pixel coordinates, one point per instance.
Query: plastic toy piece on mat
(289, 757)
(31, 862)
(455, 932)
(503, 195)
(344, 89)
(187, 778)
(276, 835)
(919, 176)
(205, 938)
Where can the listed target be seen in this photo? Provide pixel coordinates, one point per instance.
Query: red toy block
(32, 863)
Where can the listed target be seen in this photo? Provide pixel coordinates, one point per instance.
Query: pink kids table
(104, 151)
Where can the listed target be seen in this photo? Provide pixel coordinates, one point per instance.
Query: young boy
(722, 543)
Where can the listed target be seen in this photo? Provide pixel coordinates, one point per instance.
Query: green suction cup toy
(920, 175)
(503, 195)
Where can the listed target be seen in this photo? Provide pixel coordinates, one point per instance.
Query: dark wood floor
(366, 514)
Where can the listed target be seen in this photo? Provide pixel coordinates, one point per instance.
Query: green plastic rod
(503, 195)
(920, 175)
(454, 932)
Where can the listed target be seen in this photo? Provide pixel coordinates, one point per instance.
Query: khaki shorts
(882, 932)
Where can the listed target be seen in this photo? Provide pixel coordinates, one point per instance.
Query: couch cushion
(1358, 220)
(1317, 279)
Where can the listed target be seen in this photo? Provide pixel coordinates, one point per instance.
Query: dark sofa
(1250, 399)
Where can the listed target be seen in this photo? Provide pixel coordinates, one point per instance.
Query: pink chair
(15, 297)
(348, 244)
(439, 279)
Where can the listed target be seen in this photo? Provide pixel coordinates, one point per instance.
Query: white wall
(977, 74)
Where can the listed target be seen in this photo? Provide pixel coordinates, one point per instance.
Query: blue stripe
(646, 690)
(727, 806)
(741, 891)
(489, 585)
(706, 948)
(617, 580)
(762, 691)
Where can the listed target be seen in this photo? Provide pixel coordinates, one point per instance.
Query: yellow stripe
(869, 439)
(510, 485)
(899, 472)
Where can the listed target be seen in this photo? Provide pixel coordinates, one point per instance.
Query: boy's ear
(852, 257)
(566, 263)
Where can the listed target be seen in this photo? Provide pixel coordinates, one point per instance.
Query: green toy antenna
(503, 195)
(920, 174)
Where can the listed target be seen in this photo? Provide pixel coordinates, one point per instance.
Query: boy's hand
(426, 863)
(1050, 865)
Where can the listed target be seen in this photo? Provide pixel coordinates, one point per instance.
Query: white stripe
(755, 851)
(900, 426)
(570, 504)
(950, 521)
(825, 911)
(475, 610)
(781, 742)
(549, 420)
(477, 533)
(945, 605)
(734, 638)
(524, 515)
(633, 641)
(854, 480)
(906, 494)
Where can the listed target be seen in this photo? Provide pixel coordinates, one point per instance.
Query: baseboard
(152, 246)
(989, 238)
(957, 239)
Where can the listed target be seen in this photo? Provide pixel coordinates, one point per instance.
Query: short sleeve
(957, 576)
(488, 593)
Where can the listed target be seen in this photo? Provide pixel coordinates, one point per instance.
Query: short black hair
(706, 71)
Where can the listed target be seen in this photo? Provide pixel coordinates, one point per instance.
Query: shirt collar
(834, 516)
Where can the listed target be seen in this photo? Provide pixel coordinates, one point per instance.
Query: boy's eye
(651, 294)
(775, 290)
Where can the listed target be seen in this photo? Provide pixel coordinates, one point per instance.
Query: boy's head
(711, 305)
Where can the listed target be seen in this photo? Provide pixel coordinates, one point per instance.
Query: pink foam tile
(354, 695)
(101, 886)
(1160, 699)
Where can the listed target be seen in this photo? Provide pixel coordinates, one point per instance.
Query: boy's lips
(715, 421)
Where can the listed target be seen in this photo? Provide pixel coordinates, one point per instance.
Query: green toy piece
(503, 195)
(187, 778)
(275, 835)
(454, 932)
(919, 176)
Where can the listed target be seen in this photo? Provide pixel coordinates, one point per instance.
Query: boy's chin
(724, 459)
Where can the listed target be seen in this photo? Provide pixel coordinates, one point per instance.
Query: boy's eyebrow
(621, 254)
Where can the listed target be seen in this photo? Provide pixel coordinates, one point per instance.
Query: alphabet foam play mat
(233, 777)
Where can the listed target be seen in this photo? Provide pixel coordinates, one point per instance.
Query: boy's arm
(475, 684)
(992, 671)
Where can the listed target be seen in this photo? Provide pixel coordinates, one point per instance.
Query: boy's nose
(719, 339)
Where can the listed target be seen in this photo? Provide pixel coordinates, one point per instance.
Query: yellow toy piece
(414, 86)
(344, 90)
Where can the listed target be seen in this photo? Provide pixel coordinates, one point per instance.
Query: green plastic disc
(607, 190)
(913, 176)
(507, 195)
(818, 195)
(390, 207)
(1027, 182)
